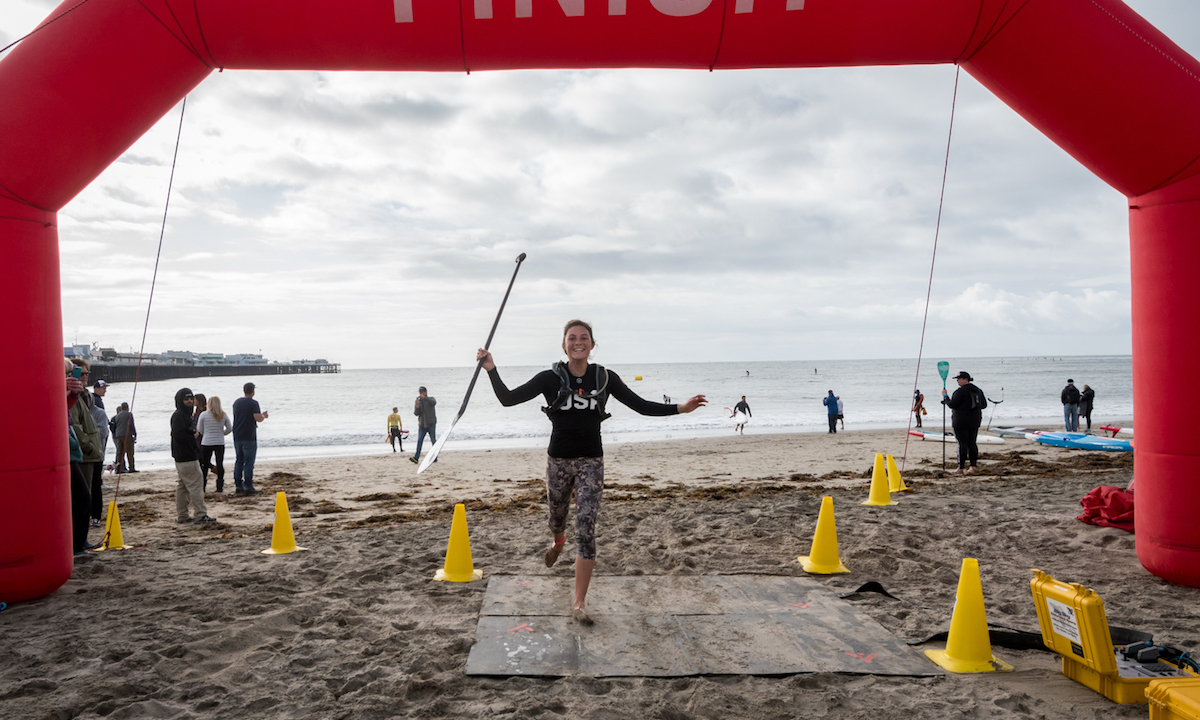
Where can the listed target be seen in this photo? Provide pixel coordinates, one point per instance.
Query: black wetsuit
(576, 456)
(576, 422)
(966, 406)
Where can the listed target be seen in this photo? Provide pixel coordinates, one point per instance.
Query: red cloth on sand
(1108, 506)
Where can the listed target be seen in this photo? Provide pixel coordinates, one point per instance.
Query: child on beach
(576, 392)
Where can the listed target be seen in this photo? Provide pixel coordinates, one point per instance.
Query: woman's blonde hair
(214, 408)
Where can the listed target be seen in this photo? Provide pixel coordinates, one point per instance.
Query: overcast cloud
(373, 218)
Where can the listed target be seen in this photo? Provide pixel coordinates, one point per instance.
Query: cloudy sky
(373, 218)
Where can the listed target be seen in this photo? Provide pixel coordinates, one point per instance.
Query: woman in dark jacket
(576, 392)
(1085, 405)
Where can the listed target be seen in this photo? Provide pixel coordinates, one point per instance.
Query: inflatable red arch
(1095, 77)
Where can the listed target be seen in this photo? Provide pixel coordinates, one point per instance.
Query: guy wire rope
(932, 263)
(153, 280)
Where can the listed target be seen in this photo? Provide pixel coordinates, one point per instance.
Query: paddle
(944, 371)
(437, 448)
(994, 404)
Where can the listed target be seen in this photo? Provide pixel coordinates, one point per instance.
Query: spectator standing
(1086, 398)
(247, 414)
(831, 408)
(124, 432)
(918, 405)
(966, 414)
(1070, 401)
(424, 409)
(395, 425)
(198, 410)
(88, 436)
(211, 428)
(190, 489)
(80, 495)
(841, 411)
(100, 417)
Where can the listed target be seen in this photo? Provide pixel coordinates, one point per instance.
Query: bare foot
(581, 616)
(552, 554)
(971, 469)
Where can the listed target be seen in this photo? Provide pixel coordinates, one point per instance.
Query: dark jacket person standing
(966, 406)
(190, 489)
(1086, 398)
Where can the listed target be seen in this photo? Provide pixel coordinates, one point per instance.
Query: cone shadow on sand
(113, 538)
(458, 566)
(880, 495)
(968, 647)
(283, 538)
(895, 482)
(823, 559)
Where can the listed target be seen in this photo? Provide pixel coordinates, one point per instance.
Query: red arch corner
(1092, 75)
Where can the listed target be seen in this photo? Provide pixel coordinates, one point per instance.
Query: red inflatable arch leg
(35, 478)
(1164, 228)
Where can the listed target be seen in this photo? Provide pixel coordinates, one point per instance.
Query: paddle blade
(437, 448)
(944, 370)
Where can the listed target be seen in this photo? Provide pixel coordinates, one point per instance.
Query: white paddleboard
(937, 437)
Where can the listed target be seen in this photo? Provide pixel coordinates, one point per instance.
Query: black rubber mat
(672, 626)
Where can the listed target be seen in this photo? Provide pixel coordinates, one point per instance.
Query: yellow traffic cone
(895, 482)
(968, 648)
(823, 558)
(113, 539)
(283, 539)
(879, 485)
(458, 566)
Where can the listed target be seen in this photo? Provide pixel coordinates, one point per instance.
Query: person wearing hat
(423, 408)
(1070, 402)
(918, 405)
(190, 490)
(831, 409)
(966, 413)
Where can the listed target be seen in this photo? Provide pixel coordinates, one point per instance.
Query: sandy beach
(195, 622)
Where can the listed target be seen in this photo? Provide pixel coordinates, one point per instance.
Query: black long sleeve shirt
(966, 405)
(575, 424)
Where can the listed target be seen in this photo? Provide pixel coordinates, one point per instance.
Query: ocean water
(346, 414)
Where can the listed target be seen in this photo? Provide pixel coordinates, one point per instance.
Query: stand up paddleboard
(937, 437)
(1117, 430)
(1083, 441)
(1017, 432)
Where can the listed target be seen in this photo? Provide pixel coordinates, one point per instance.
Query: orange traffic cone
(968, 648)
(283, 539)
(823, 558)
(895, 482)
(879, 485)
(113, 539)
(458, 566)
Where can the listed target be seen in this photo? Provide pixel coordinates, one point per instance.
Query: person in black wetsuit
(966, 413)
(576, 392)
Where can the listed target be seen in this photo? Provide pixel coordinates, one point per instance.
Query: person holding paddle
(576, 392)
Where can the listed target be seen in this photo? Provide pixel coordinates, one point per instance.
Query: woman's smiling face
(577, 343)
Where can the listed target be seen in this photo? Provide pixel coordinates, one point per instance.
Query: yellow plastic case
(1075, 626)
(1174, 699)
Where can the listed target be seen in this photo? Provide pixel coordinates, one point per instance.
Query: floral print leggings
(586, 477)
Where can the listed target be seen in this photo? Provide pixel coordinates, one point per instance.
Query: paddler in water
(576, 392)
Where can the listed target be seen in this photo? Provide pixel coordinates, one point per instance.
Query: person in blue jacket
(831, 407)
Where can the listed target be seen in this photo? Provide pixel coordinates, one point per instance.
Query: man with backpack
(966, 413)
(1070, 401)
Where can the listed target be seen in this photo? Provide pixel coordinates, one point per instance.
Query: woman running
(576, 392)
